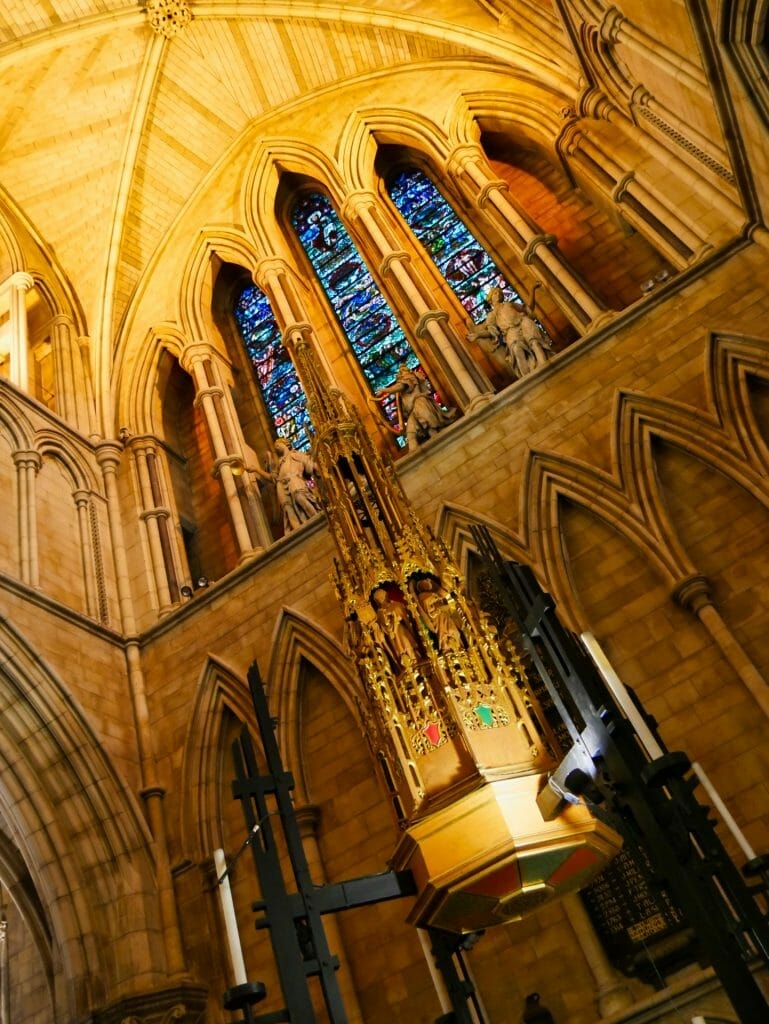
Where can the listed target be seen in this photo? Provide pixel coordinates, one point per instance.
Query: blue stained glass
(462, 261)
(275, 373)
(373, 332)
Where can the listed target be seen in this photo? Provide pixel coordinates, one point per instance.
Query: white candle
(230, 921)
(618, 690)
(653, 749)
(437, 978)
(720, 806)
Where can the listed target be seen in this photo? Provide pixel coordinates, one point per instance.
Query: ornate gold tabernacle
(461, 744)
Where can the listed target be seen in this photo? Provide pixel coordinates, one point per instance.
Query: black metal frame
(651, 803)
(294, 918)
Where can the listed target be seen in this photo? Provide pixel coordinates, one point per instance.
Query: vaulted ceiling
(109, 126)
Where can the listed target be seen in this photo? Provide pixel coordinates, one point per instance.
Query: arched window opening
(461, 259)
(275, 373)
(376, 337)
(200, 506)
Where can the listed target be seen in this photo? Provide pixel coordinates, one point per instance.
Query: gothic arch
(137, 406)
(297, 638)
(10, 244)
(50, 443)
(742, 31)
(368, 128)
(731, 359)
(219, 687)
(198, 277)
(273, 158)
(453, 524)
(549, 478)
(536, 115)
(14, 422)
(78, 829)
(15, 877)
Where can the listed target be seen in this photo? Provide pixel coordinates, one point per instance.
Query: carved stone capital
(428, 317)
(142, 443)
(185, 1004)
(234, 462)
(25, 459)
(108, 454)
(464, 155)
(212, 392)
(692, 593)
(194, 353)
(612, 23)
(533, 244)
(596, 104)
(21, 281)
(497, 185)
(619, 190)
(396, 256)
(267, 270)
(81, 498)
(297, 334)
(154, 513)
(356, 203)
(307, 820)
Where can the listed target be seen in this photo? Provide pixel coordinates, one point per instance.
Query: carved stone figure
(291, 474)
(396, 635)
(437, 616)
(511, 324)
(420, 414)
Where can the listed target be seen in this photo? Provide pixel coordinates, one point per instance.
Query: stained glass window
(459, 257)
(275, 373)
(377, 340)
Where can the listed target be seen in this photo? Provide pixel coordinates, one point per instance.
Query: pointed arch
(14, 421)
(272, 159)
(197, 282)
(730, 360)
(297, 638)
(368, 128)
(54, 445)
(136, 403)
(534, 114)
(548, 478)
(453, 525)
(220, 687)
(79, 830)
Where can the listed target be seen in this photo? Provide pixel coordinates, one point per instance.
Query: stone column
(647, 212)
(108, 454)
(248, 521)
(86, 396)
(464, 377)
(612, 992)
(155, 516)
(83, 507)
(277, 280)
(71, 391)
(308, 819)
(693, 594)
(19, 284)
(616, 28)
(64, 377)
(27, 466)
(538, 250)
